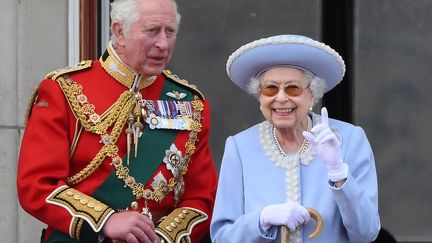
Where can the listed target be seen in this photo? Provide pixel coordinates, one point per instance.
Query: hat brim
(298, 51)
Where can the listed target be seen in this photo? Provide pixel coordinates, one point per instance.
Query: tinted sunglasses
(289, 89)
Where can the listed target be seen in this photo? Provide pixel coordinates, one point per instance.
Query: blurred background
(386, 90)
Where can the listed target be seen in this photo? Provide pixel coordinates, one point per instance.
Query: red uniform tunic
(67, 173)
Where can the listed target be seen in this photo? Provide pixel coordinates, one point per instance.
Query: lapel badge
(176, 95)
(42, 103)
(159, 181)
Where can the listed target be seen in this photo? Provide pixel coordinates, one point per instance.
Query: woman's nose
(281, 95)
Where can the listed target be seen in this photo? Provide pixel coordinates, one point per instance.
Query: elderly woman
(274, 173)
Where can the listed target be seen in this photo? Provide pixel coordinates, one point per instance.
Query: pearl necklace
(303, 146)
(275, 152)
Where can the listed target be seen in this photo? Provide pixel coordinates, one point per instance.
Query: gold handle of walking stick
(318, 221)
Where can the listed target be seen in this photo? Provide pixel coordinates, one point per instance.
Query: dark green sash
(151, 152)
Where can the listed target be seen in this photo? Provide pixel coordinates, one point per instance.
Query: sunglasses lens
(293, 90)
(272, 90)
(269, 90)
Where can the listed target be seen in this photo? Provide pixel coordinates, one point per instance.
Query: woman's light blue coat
(249, 181)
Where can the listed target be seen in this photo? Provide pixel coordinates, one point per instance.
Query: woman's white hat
(291, 50)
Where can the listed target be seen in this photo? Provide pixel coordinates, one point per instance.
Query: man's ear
(118, 32)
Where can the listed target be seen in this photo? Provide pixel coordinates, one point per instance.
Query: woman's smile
(282, 111)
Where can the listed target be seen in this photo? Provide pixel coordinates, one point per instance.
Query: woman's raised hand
(328, 148)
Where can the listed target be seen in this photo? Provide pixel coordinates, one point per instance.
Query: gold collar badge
(120, 71)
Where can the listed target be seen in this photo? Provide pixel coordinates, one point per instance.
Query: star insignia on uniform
(174, 160)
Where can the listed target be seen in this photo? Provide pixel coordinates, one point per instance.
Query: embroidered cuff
(178, 225)
(82, 207)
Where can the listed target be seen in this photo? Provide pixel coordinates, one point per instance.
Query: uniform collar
(121, 72)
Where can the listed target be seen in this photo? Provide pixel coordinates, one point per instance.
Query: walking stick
(318, 221)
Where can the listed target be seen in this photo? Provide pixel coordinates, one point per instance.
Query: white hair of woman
(126, 13)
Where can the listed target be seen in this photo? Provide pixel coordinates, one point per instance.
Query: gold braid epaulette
(115, 116)
(183, 82)
(59, 72)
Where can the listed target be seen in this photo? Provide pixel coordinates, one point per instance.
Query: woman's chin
(283, 124)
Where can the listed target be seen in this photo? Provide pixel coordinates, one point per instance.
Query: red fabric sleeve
(43, 163)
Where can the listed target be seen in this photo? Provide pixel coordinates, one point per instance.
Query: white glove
(327, 146)
(290, 214)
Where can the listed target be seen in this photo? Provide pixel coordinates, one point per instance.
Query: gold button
(134, 205)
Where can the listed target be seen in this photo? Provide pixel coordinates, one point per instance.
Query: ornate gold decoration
(84, 111)
(80, 205)
(118, 115)
(183, 82)
(115, 116)
(178, 225)
(120, 71)
(59, 72)
(77, 224)
(161, 188)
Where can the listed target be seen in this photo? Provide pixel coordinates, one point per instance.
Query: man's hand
(131, 227)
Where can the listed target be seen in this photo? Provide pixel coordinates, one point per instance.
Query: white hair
(126, 13)
(317, 85)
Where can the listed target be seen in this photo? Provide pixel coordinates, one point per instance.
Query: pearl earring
(310, 108)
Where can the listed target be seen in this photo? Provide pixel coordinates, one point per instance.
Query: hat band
(258, 75)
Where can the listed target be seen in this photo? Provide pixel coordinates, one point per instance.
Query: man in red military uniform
(116, 150)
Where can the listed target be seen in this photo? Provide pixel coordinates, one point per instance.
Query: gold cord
(117, 114)
(162, 189)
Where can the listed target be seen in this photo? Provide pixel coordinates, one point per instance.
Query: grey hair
(126, 13)
(316, 84)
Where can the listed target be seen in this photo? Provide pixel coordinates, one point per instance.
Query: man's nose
(162, 41)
